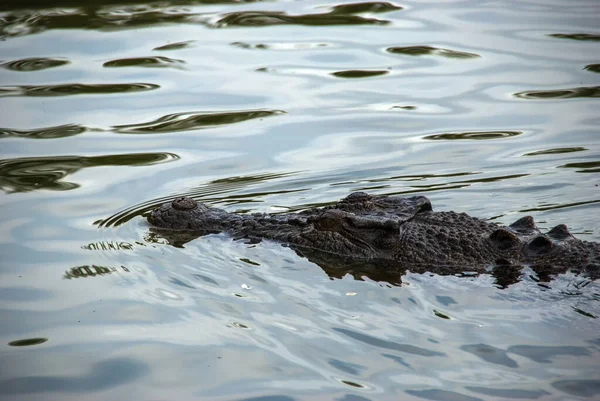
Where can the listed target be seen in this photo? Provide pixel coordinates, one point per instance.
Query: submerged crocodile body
(395, 233)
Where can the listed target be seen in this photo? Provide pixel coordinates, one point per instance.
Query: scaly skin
(393, 232)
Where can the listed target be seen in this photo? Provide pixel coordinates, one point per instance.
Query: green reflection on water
(156, 61)
(34, 64)
(100, 15)
(28, 342)
(473, 135)
(429, 50)
(359, 73)
(365, 7)
(554, 151)
(586, 167)
(592, 68)
(268, 18)
(576, 36)
(174, 46)
(569, 93)
(59, 131)
(74, 89)
(32, 173)
(193, 120)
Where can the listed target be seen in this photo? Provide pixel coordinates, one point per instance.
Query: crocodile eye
(329, 220)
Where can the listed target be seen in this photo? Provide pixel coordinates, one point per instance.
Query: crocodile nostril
(184, 203)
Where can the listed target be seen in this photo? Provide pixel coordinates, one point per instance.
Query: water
(110, 109)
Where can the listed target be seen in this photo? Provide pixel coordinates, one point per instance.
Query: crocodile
(363, 232)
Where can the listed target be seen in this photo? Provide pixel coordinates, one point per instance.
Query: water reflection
(569, 93)
(74, 89)
(555, 151)
(101, 15)
(34, 173)
(269, 18)
(359, 73)
(27, 342)
(474, 135)
(59, 131)
(194, 120)
(108, 246)
(126, 15)
(174, 46)
(430, 50)
(156, 61)
(91, 271)
(592, 68)
(577, 36)
(365, 7)
(441, 395)
(104, 375)
(584, 167)
(389, 345)
(509, 393)
(280, 46)
(34, 64)
(578, 388)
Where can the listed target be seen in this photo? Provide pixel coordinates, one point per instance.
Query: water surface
(109, 109)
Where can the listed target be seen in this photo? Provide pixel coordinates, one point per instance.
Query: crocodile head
(359, 226)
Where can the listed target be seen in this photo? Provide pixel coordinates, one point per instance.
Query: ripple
(33, 173)
(156, 61)
(545, 354)
(74, 89)
(59, 131)
(446, 395)
(569, 93)
(280, 46)
(557, 206)
(35, 63)
(103, 376)
(508, 393)
(269, 18)
(385, 344)
(194, 120)
(429, 50)
(592, 68)
(174, 46)
(474, 135)
(555, 151)
(490, 354)
(576, 36)
(359, 73)
(578, 388)
(213, 190)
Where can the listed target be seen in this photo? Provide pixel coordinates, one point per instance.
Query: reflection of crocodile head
(88, 271)
(395, 233)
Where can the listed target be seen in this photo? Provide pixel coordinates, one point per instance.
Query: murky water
(112, 108)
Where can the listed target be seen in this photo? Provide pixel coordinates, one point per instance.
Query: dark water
(110, 108)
